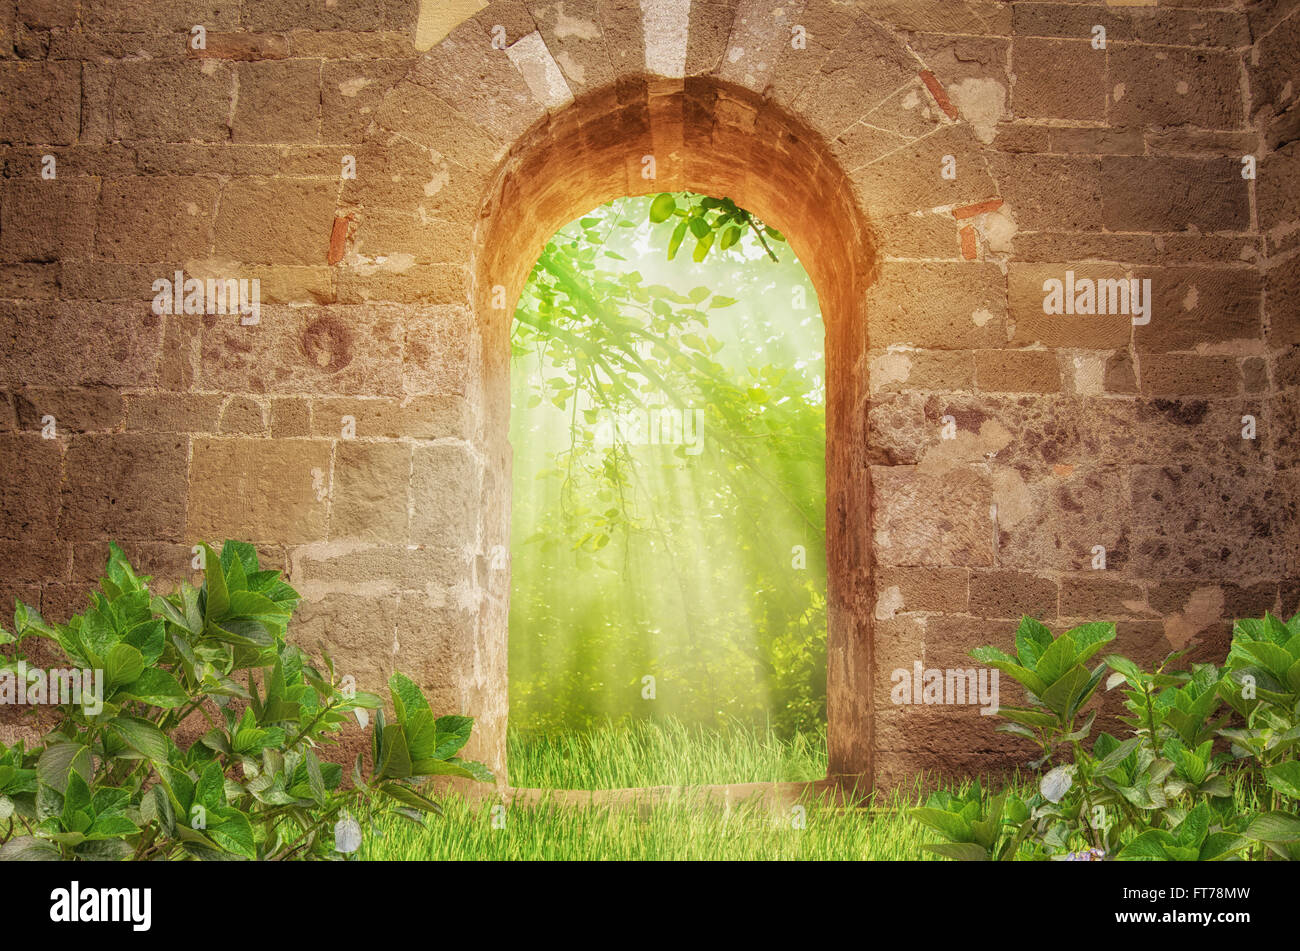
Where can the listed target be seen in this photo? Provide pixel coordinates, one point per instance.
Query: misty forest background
(704, 569)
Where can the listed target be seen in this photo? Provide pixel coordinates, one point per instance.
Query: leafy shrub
(1162, 793)
(110, 780)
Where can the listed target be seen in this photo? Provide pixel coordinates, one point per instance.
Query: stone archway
(709, 137)
(760, 112)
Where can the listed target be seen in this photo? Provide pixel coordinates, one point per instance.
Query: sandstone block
(259, 490)
(125, 486)
(1058, 79)
(370, 491)
(445, 496)
(29, 489)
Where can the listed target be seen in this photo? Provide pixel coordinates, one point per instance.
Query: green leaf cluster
(112, 779)
(1208, 771)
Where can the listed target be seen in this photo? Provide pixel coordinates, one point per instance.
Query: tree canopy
(669, 439)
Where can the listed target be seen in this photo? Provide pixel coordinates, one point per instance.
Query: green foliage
(643, 753)
(712, 222)
(1162, 793)
(112, 779)
(671, 561)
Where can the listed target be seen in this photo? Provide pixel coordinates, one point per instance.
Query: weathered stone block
(275, 221)
(1200, 307)
(466, 70)
(1175, 86)
(290, 416)
(29, 489)
(278, 102)
(173, 412)
(47, 220)
(306, 349)
(1191, 520)
(1017, 371)
(910, 370)
(573, 34)
(911, 530)
(1047, 193)
(1027, 293)
(863, 69)
(1058, 79)
(167, 102)
(912, 589)
(938, 306)
(41, 103)
(351, 94)
(310, 15)
(445, 496)
(1092, 595)
(125, 486)
(1053, 520)
(244, 415)
(259, 490)
(1172, 194)
(380, 567)
(148, 218)
(370, 491)
(1164, 374)
(67, 344)
(909, 179)
(1012, 594)
(74, 410)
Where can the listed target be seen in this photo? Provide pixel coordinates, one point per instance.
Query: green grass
(665, 753)
(685, 829)
(686, 825)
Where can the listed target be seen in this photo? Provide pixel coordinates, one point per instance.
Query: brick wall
(356, 433)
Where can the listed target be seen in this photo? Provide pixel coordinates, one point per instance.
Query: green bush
(1161, 793)
(110, 780)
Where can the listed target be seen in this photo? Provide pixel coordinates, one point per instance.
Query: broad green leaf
(675, 241)
(662, 208)
(1116, 757)
(702, 247)
(1220, 845)
(396, 763)
(1150, 846)
(1056, 660)
(252, 604)
(26, 848)
(1032, 638)
(1285, 778)
(452, 733)
(214, 583)
(408, 796)
(123, 665)
(157, 688)
(1090, 638)
(1029, 717)
(143, 737)
(1063, 696)
(407, 698)
(1269, 655)
(234, 834)
(951, 825)
(59, 760)
(1275, 827)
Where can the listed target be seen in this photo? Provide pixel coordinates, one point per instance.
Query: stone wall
(933, 163)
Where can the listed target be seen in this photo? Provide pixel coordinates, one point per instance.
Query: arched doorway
(710, 137)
